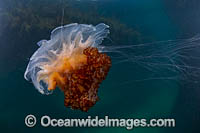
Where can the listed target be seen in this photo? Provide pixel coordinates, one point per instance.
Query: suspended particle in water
(71, 60)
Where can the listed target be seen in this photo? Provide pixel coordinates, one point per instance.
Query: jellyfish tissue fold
(72, 61)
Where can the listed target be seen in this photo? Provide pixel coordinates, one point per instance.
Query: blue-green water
(24, 22)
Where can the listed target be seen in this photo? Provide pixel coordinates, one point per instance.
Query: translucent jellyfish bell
(63, 41)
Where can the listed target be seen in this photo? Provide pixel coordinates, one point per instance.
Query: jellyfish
(71, 61)
(76, 61)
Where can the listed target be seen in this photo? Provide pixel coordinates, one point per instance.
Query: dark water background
(24, 22)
